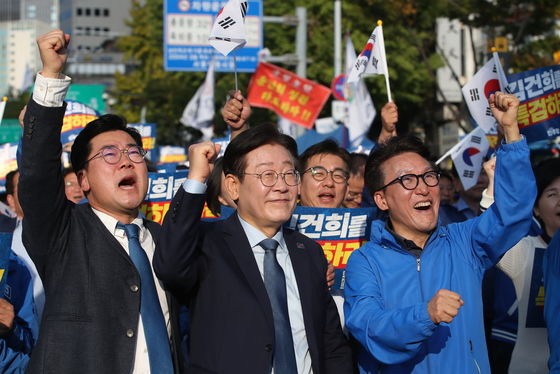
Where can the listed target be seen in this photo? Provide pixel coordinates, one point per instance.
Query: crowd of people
(94, 287)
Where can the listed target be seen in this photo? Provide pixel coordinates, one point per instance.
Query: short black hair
(546, 172)
(82, 144)
(10, 188)
(393, 147)
(326, 147)
(357, 162)
(249, 140)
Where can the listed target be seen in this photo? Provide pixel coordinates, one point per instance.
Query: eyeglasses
(270, 177)
(112, 154)
(319, 173)
(410, 181)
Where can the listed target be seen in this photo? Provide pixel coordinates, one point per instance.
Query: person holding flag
(413, 293)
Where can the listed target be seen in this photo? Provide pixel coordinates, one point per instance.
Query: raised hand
(236, 112)
(53, 48)
(201, 160)
(504, 108)
(389, 119)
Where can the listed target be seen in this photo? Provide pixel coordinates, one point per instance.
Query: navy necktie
(155, 331)
(275, 283)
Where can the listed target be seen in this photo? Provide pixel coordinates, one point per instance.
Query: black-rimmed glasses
(410, 181)
(319, 173)
(270, 177)
(112, 154)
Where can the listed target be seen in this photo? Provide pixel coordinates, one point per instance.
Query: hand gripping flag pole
(228, 31)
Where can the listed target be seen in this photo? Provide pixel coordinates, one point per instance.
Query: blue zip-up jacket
(388, 289)
(15, 350)
(551, 272)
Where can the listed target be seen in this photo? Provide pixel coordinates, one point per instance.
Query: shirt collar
(406, 244)
(255, 236)
(111, 224)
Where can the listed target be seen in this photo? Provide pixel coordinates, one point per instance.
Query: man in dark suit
(103, 310)
(256, 292)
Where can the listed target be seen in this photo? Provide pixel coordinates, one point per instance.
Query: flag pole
(382, 42)
(235, 69)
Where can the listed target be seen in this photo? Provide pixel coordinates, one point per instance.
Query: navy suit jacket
(212, 267)
(92, 304)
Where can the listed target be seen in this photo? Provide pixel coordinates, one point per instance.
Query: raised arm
(176, 258)
(389, 119)
(508, 220)
(236, 113)
(41, 184)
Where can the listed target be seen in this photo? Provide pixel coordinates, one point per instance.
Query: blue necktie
(155, 331)
(275, 283)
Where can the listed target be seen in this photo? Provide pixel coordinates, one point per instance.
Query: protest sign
(292, 97)
(539, 93)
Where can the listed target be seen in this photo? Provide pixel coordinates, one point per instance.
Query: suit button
(268, 347)
(134, 288)
(130, 333)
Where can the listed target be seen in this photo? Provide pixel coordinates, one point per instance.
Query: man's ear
(83, 181)
(380, 201)
(536, 211)
(231, 184)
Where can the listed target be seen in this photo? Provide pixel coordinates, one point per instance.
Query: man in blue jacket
(413, 294)
(18, 321)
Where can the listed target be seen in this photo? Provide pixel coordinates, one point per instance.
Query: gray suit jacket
(92, 306)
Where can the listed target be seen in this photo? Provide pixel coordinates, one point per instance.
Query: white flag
(361, 111)
(228, 32)
(199, 112)
(372, 60)
(2, 107)
(468, 156)
(489, 79)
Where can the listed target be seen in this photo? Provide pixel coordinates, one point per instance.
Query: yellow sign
(500, 43)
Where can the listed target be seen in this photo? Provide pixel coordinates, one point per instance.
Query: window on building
(79, 11)
(97, 12)
(106, 12)
(96, 31)
(88, 31)
(106, 31)
(79, 30)
(88, 12)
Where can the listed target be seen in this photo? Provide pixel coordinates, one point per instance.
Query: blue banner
(539, 92)
(148, 131)
(187, 25)
(338, 231)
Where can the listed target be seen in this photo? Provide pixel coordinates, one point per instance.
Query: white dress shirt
(141, 360)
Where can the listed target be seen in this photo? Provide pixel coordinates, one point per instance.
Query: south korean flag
(468, 156)
(489, 79)
(228, 32)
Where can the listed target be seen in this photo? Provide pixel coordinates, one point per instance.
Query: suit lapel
(240, 248)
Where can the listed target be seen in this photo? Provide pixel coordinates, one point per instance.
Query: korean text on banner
(338, 231)
(76, 117)
(161, 189)
(539, 93)
(292, 97)
(148, 131)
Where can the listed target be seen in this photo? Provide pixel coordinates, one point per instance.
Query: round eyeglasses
(270, 177)
(410, 181)
(319, 173)
(112, 155)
